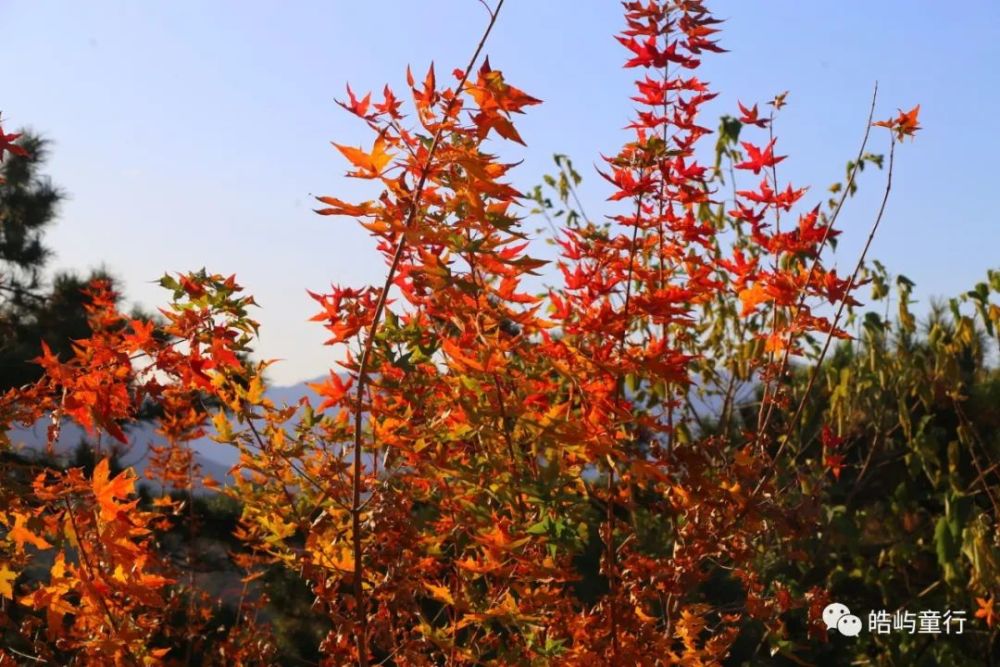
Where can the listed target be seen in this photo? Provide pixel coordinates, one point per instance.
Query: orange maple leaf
(753, 296)
(142, 334)
(440, 593)
(371, 164)
(986, 611)
(904, 124)
(333, 389)
(339, 207)
(21, 535)
(155, 581)
(110, 491)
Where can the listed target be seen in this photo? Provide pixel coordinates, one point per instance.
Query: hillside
(214, 459)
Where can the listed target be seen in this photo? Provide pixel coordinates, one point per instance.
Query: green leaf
(540, 528)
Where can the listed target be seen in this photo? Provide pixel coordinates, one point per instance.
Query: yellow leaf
(440, 593)
(479, 567)
(733, 488)
(21, 535)
(58, 570)
(469, 619)
(256, 391)
(69, 533)
(7, 577)
(278, 528)
(343, 561)
(224, 431)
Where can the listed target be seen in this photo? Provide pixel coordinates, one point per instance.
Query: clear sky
(191, 133)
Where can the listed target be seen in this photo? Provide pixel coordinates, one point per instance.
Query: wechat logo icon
(838, 616)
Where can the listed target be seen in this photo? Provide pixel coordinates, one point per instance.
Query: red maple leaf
(7, 145)
(751, 116)
(759, 159)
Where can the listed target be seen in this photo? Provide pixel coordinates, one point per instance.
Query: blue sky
(192, 134)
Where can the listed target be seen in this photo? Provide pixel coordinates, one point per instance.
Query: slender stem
(840, 311)
(610, 513)
(750, 505)
(975, 459)
(361, 613)
(812, 268)
(567, 174)
(189, 636)
(33, 658)
(662, 283)
(777, 267)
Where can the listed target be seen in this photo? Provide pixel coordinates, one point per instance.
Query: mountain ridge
(215, 459)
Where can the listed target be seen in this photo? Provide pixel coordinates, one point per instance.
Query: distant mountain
(217, 459)
(214, 458)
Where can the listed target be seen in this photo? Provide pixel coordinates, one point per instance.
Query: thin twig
(359, 600)
(777, 267)
(33, 658)
(793, 423)
(812, 268)
(610, 545)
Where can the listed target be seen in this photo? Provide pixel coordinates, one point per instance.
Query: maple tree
(493, 475)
